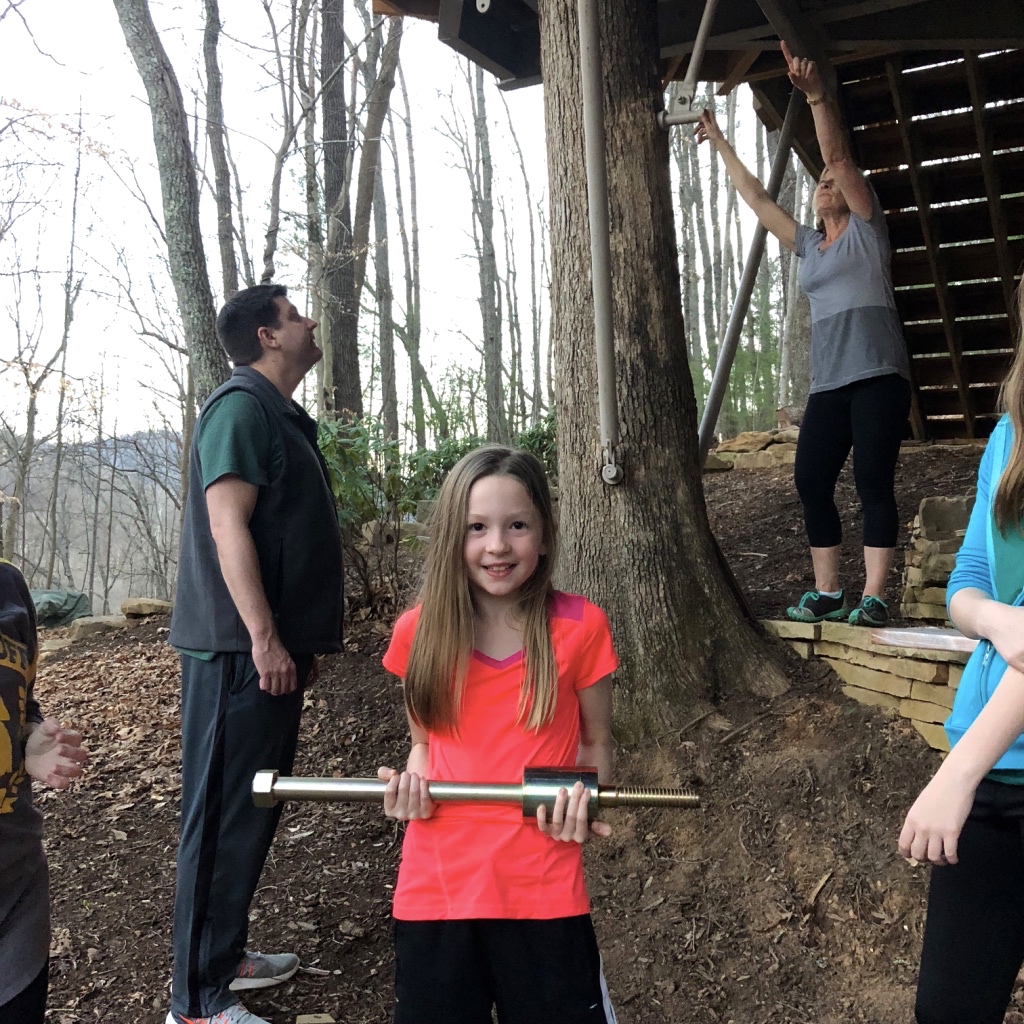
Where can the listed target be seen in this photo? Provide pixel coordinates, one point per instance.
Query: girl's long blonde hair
(1009, 504)
(443, 644)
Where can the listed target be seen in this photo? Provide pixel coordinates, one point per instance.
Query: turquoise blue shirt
(993, 563)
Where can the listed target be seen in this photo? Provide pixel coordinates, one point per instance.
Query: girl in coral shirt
(500, 672)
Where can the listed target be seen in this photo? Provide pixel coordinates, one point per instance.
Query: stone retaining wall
(935, 537)
(917, 683)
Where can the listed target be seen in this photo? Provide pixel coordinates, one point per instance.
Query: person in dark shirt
(31, 747)
(259, 596)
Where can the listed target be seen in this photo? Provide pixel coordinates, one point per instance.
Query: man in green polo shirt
(259, 596)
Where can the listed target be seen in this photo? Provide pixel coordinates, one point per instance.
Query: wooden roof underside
(933, 92)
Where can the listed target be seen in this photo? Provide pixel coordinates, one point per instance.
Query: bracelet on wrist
(815, 101)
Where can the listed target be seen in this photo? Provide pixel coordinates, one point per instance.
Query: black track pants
(29, 1005)
(870, 417)
(230, 729)
(974, 934)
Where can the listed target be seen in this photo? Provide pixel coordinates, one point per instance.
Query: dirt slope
(783, 900)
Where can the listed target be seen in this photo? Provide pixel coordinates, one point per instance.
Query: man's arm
(230, 502)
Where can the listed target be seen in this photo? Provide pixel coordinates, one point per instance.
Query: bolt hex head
(263, 788)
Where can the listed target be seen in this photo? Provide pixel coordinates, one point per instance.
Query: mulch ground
(782, 900)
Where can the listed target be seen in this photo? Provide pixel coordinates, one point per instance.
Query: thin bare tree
(180, 193)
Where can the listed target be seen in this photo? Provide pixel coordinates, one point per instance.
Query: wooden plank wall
(942, 137)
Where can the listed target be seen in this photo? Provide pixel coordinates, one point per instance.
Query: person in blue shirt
(969, 820)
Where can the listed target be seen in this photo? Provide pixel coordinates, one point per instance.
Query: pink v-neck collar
(495, 663)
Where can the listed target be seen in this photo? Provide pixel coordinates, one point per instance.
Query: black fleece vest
(295, 528)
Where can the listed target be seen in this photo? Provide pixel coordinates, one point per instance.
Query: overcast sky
(74, 57)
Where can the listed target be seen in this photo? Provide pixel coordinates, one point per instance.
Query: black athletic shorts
(533, 972)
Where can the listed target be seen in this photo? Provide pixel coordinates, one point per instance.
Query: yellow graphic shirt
(17, 671)
(24, 894)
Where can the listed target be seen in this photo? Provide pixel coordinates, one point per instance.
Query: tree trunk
(385, 315)
(180, 193)
(487, 264)
(410, 333)
(218, 151)
(643, 550)
(536, 399)
(337, 288)
(797, 328)
(72, 289)
(347, 385)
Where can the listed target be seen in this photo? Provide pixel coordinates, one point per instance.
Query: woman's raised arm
(832, 138)
(754, 194)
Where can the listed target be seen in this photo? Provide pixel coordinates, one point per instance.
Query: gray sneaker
(261, 970)
(236, 1014)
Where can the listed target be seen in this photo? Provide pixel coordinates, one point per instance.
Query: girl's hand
(707, 129)
(54, 755)
(934, 823)
(406, 797)
(569, 817)
(803, 74)
(1004, 625)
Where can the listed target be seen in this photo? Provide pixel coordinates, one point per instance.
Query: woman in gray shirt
(860, 391)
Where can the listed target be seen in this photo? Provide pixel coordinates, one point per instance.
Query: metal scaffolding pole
(600, 243)
(685, 111)
(730, 342)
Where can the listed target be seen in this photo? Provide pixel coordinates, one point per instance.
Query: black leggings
(868, 416)
(29, 1005)
(974, 934)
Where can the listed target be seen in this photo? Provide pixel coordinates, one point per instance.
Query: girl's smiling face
(504, 537)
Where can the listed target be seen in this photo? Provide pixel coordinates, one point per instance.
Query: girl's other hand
(803, 74)
(569, 817)
(407, 796)
(707, 129)
(932, 829)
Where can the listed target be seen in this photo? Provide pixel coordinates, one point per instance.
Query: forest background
(391, 185)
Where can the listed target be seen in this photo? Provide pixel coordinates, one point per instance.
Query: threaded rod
(540, 786)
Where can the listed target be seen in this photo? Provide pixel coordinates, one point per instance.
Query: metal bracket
(686, 112)
(611, 471)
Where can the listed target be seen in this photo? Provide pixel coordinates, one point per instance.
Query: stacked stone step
(916, 683)
(757, 449)
(936, 535)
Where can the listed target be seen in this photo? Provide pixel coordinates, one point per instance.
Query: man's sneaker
(261, 970)
(816, 607)
(236, 1014)
(872, 611)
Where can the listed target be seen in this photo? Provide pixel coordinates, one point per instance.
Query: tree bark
(180, 192)
(643, 550)
(348, 389)
(487, 265)
(536, 398)
(385, 313)
(410, 333)
(215, 134)
(337, 283)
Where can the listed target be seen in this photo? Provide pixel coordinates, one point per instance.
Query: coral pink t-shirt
(480, 860)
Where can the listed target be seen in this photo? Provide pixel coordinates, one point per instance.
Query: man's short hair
(242, 316)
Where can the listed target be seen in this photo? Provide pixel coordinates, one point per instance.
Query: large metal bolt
(539, 786)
